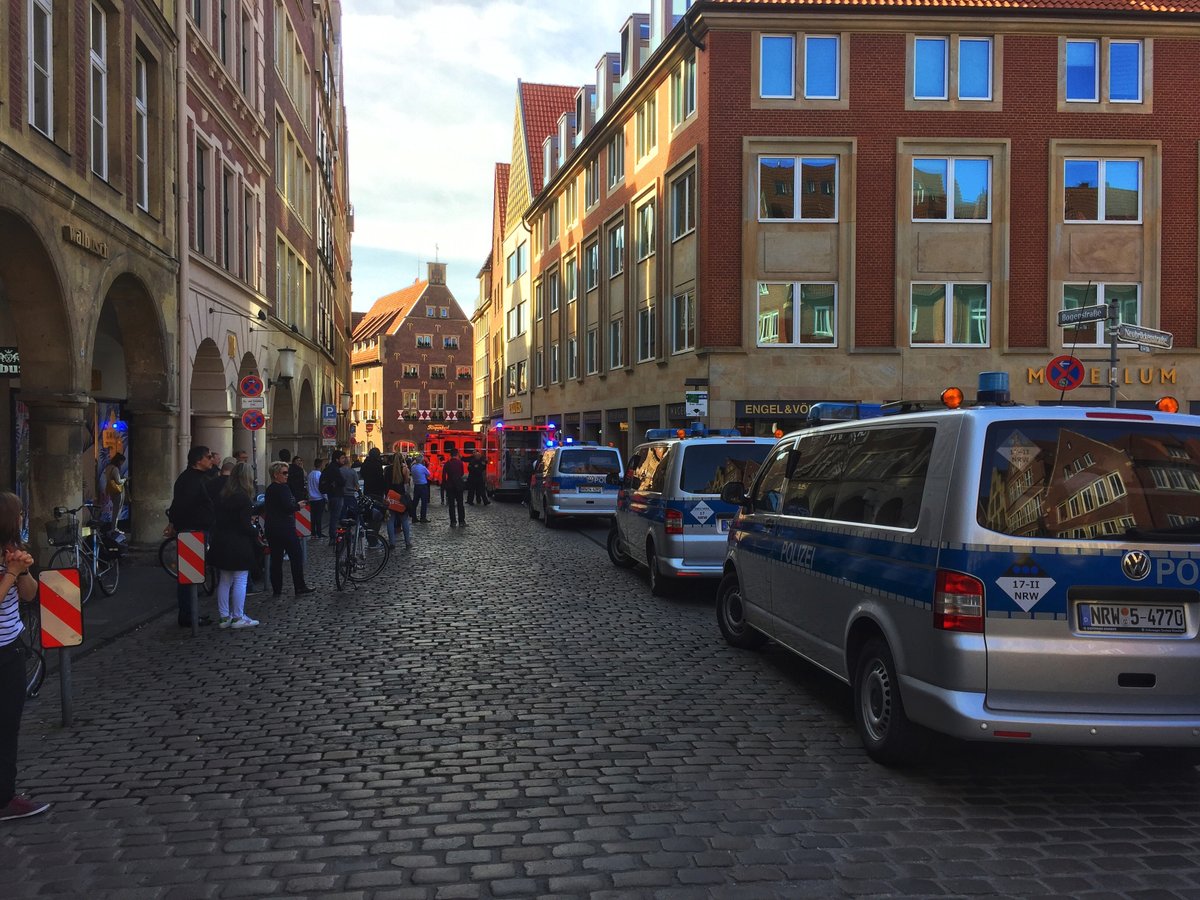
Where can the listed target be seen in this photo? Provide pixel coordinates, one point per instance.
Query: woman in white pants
(234, 547)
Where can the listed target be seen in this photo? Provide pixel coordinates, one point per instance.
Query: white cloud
(430, 94)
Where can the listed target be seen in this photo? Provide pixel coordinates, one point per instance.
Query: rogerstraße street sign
(1081, 315)
(1148, 337)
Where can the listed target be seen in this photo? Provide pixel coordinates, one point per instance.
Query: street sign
(1081, 315)
(253, 419)
(696, 403)
(251, 386)
(254, 403)
(328, 442)
(1150, 337)
(328, 411)
(353, 428)
(1065, 373)
(329, 431)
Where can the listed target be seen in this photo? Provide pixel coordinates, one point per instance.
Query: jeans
(231, 594)
(421, 499)
(454, 499)
(286, 542)
(12, 704)
(318, 509)
(405, 521)
(335, 514)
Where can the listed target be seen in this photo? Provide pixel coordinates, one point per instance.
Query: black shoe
(453, 524)
(462, 524)
(204, 620)
(300, 592)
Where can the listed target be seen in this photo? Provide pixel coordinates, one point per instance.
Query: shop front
(770, 418)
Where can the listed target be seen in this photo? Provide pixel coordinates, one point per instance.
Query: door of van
(754, 533)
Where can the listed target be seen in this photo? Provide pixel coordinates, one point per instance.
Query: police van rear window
(1091, 480)
(589, 462)
(709, 467)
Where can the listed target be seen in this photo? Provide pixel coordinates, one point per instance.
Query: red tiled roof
(1136, 6)
(386, 313)
(541, 105)
(501, 189)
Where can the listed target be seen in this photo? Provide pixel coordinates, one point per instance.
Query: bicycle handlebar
(60, 511)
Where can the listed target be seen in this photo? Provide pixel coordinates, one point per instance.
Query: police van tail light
(958, 603)
(674, 521)
(553, 486)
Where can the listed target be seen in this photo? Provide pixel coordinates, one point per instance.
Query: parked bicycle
(96, 554)
(359, 551)
(31, 646)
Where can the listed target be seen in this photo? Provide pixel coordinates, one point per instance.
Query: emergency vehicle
(512, 452)
(438, 444)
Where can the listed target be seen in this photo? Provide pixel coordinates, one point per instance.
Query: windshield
(589, 462)
(709, 467)
(1091, 480)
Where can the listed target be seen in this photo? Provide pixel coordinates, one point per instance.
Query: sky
(430, 91)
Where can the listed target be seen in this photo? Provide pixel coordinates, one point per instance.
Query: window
(1125, 71)
(41, 66)
(960, 322)
(249, 237)
(552, 221)
(571, 201)
(645, 230)
(537, 301)
(539, 369)
(98, 101)
(616, 160)
(522, 317)
(1102, 190)
(591, 184)
(647, 337)
(223, 31)
(510, 380)
(228, 215)
(572, 280)
(683, 211)
(951, 69)
(411, 370)
(141, 134)
(1121, 77)
(438, 372)
(462, 402)
(437, 401)
(931, 64)
(450, 342)
(683, 322)
(246, 60)
(554, 363)
(592, 361)
(778, 321)
(425, 341)
(968, 181)
(444, 312)
(572, 358)
(201, 235)
(683, 91)
(1083, 71)
(430, 312)
(821, 67)
(974, 68)
(646, 128)
(510, 268)
(411, 401)
(615, 350)
(591, 266)
(616, 250)
(522, 376)
(552, 286)
(1129, 310)
(777, 66)
(814, 179)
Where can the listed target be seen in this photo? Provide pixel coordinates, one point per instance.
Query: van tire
(888, 735)
(533, 513)
(616, 549)
(660, 584)
(551, 521)
(731, 617)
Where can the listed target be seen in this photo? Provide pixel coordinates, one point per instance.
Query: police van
(670, 516)
(996, 573)
(575, 479)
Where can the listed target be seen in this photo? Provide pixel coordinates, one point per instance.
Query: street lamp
(345, 401)
(287, 364)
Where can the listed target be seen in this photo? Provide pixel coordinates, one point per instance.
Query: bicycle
(31, 646)
(360, 552)
(97, 558)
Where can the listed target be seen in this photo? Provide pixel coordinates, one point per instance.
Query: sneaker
(22, 808)
(225, 622)
(244, 622)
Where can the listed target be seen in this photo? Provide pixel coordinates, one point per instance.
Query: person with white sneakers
(234, 546)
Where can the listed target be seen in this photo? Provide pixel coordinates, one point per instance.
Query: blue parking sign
(328, 411)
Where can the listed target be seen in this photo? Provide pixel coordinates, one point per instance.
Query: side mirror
(734, 492)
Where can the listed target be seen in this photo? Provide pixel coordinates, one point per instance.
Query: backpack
(330, 480)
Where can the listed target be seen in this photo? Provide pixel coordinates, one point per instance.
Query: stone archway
(212, 404)
(282, 425)
(308, 439)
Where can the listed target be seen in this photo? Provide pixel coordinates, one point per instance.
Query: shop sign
(10, 362)
(1099, 376)
(771, 409)
(85, 241)
(676, 410)
(514, 407)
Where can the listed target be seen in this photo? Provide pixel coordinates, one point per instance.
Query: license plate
(723, 525)
(1141, 618)
(590, 489)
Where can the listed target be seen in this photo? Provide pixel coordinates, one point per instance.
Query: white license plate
(590, 489)
(1140, 618)
(723, 525)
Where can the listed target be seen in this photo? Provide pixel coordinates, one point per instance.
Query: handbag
(395, 502)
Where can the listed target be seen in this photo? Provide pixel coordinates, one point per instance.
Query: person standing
(113, 485)
(191, 510)
(350, 489)
(477, 479)
(374, 481)
(316, 500)
(454, 478)
(420, 480)
(297, 481)
(17, 586)
(279, 514)
(400, 481)
(234, 548)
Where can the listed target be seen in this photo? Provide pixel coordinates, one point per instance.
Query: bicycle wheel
(108, 573)
(168, 557)
(64, 558)
(342, 563)
(31, 646)
(369, 560)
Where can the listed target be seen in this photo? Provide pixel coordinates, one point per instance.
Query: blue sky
(430, 89)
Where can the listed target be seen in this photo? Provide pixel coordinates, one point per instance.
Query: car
(670, 516)
(1001, 573)
(575, 479)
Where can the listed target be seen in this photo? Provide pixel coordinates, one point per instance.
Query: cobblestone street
(504, 713)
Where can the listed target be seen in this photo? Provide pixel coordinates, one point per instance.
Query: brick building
(787, 202)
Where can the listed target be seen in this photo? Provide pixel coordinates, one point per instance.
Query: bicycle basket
(62, 534)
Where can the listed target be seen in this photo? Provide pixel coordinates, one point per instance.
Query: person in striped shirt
(17, 585)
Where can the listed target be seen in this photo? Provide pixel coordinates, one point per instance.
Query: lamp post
(345, 401)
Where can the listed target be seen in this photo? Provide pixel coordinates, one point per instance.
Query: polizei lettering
(1179, 571)
(799, 555)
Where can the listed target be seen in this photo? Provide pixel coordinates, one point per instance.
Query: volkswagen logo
(1136, 565)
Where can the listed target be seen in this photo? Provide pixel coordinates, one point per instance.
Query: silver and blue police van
(575, 479)
(670, 516)
(996, 573)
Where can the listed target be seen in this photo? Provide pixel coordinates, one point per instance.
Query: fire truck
(512, 451)
(438, 444)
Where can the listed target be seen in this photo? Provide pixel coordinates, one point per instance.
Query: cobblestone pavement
(509, 715)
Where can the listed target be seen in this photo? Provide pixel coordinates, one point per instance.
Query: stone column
(56, 438)
(152, 437)
(214, 431)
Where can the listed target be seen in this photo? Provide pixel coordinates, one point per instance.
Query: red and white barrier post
(62, 625)
(189, 551)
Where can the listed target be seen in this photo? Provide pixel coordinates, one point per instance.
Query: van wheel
(660, 584)
(551, 521)
(616, 549)
(533, 513)
(731, 616)
(888, 735)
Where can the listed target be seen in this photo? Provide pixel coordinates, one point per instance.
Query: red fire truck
(511, 452)
(437, 447)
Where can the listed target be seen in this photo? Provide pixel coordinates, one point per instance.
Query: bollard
(62, 626)
(189, 550)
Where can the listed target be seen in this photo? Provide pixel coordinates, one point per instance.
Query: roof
(501, 189)
(1133, 6)
(386, 313)
(541, 105)
(486, 267)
